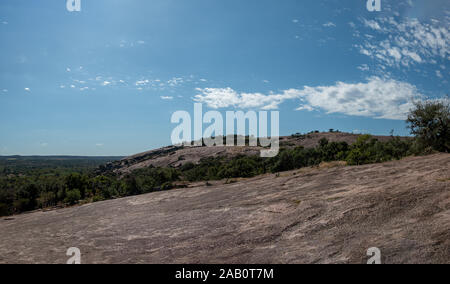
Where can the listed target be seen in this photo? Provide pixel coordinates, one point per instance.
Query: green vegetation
(24, 191)
(430, 123)
(365, 151)
(27, 188)
(29, 183)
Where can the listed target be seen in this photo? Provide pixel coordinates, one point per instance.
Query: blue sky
(106, 80)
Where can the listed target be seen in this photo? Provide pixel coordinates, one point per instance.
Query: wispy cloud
(128, 44)
(407, 42)
(364, 67)
(175, 81)
(372, 24)
(83, 79)
(329, 25)
(142, 82)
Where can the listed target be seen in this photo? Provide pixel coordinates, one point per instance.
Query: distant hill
(173, 156)
(24, 163)
(58, 158)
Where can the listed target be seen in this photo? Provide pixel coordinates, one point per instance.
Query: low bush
(72, 196)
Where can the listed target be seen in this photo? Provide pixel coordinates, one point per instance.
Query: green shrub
(72, 196)
(363, 151)
(47, 199)
(284, 162)
(77, 181)
(22, 205)
(97, 198)
(241, 166)
(187, 167)
(4, 210)
(166, 186)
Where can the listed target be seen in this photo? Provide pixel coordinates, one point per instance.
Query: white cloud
(406, 43)
(68, 69)
(175, 81)
(411, 54)
(364, 67)
(439, 74)
(106, 83)
(27, 89)
(166, 98)
(329, 25)
(99, 144)
(80, 81)
(378, 98)
(227, 97)
(142, 83)
(305, 107)
(372, 24)
(130, 44)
